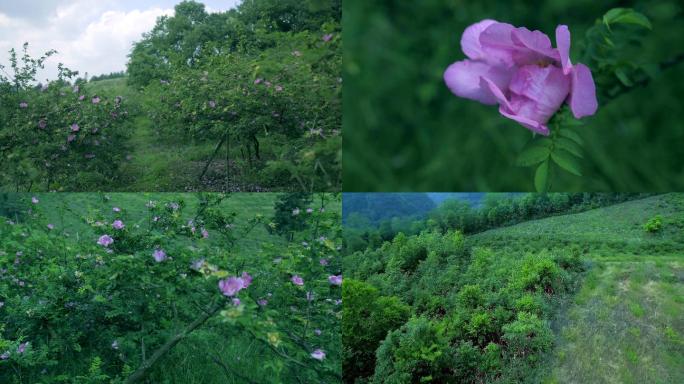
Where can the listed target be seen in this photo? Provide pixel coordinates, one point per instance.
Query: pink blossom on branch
(519, 70)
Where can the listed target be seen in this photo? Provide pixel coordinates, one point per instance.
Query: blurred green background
(404, 130)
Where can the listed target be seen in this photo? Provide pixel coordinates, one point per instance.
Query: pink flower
(262, 302)
(22, 347)
(5, 355)
(105, 240)
(309, 210)
(335, 280)
(231, 286)
(51, 226)
(205, 233)
(42, 124)
(96, 100)
(297, 280)
(258, 81)
(317, 332)
(35, 200)
(80, 98)
(318, 354)
(116, 209)
(327, 37)
(23, 105)
(236, 301)
(323, 262)
(246, 279)
(519, 70)
(117, 224)
(159, 255)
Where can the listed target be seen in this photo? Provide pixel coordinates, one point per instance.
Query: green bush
(654, 224)
(366, 319)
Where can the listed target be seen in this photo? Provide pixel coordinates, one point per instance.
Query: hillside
(591, 297)
(625, 324)
(380, 206)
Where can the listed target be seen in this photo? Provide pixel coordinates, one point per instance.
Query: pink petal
(533, 46)
(463, 79)
(470, 40)
(563, 43)
(496, 43)
(526, 122)
(583, 95)
(496, 91)
(545, 85)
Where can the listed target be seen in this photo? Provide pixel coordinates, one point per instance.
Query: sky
(92, 36)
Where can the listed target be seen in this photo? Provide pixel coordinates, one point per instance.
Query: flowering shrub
(271, 87)
(58, 133)
(112, 294)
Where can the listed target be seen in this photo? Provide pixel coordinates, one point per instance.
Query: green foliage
(93, 314)
(418, 352)
(654, 224)
(54, 136)
(367, 317)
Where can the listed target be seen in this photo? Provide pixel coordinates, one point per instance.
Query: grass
(155, 164)
(624, 324)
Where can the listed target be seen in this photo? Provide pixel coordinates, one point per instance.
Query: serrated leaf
(567, 161)
(541, 177)
(626, 16)
(570, 146)
(572, 135)
(622, 76)
(532, 155)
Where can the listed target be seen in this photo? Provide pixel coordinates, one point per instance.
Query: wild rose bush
(249, 104)
(58, 135)
(106, 300)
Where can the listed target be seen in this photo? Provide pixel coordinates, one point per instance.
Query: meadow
(243, 100)
(588, 297)
(169, 288)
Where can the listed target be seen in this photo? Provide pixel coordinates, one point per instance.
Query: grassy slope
(625, 324)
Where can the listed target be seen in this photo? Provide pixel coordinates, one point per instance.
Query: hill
(591, 297)
(380, 206)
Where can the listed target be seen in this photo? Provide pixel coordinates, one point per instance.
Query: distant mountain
(475, 198)
(380, 206)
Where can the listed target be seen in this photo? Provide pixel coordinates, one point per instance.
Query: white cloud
(89, 37)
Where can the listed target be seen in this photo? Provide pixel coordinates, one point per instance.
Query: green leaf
(566, 161)
(626, 16)
(533, 154)
(570, 146)
(572, 135)
(541, 177)
(622, 76)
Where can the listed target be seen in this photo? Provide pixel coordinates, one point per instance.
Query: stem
(145, 368)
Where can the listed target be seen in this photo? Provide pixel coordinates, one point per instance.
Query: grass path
(626, 322)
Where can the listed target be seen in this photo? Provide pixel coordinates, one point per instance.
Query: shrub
(654, 224)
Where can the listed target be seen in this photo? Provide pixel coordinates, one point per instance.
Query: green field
(625, 323)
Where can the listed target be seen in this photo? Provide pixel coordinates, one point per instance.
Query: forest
(243, 100)
(373, 218)
(540, 300)
(170, 288)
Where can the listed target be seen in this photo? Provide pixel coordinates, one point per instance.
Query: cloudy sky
(91, 36)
